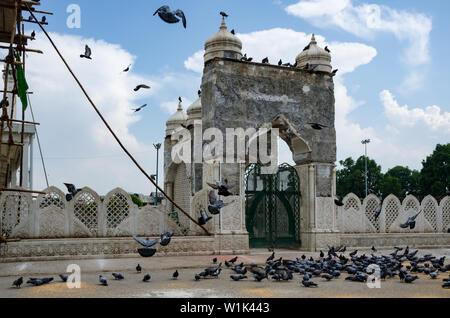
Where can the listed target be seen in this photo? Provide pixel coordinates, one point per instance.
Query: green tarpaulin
(22, 85)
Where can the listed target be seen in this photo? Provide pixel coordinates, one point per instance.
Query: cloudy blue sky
(392, 86)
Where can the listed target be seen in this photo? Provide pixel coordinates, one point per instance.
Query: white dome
(315, 55)
(195, 110)
(223, 44)
(176, 120)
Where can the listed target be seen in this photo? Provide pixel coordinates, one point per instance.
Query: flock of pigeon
(402, 264)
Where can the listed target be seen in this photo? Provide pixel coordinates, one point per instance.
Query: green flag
(22, 85)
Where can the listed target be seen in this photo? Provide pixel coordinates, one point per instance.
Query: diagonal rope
(109, 127)
(38, 141)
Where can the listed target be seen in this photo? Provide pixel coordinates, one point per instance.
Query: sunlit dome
(315, 55)
(176, 119)
(223, 44)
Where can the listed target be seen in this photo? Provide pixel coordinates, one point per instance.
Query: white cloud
(346, 56)
(366, 20)
(431, 116)
(70, 128)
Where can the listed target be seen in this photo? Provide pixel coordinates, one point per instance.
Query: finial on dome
(223, 26)
(313, 39)
(180, 106)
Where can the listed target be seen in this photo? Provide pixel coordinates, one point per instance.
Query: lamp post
(157, 147)
(365, 142)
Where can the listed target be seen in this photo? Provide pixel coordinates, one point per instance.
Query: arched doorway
(272, 207)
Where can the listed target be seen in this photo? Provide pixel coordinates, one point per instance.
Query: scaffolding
(13, 42)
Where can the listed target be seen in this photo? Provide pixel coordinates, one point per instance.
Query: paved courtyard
(162, 284)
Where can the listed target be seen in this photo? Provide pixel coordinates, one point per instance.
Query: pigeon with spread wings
(87, 53)
(170, 16)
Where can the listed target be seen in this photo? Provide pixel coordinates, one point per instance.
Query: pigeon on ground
(141, 86)
(317, 126)
(118, 276)
(103, 280)
(233, 260)
(175, 275)
(271, 257)
(214, 260)
(146, 242)
(237, 277)
(197, 277)
(40, 281)
(138, 268)
(64, 278)
(136, 110)
(147, 277)
(87, 53)
(228, 264)
(18, 282)
(308, 283)
(409, 278)
(374, 249)
(411, 222)
(170, 16)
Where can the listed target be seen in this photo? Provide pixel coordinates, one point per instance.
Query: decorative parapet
(357, 217)
(50, 216)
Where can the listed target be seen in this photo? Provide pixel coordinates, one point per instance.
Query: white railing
(86, 215)
(359, 217)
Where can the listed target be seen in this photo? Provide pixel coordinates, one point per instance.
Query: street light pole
(365, 142)
(157, 147)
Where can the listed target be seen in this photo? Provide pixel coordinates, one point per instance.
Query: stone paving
(162, 284)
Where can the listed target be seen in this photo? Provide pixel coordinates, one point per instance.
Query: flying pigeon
(127, 69)
(215, 204)
(411, 222)
(338, 200)
(222, 187)
(377, 211)
(147, 242)
(204, 218)
(146, 277)
(18, 282)
(102, 280)
(166, 237)
(72, 191)
(140, 108)
(87, 53)
(141, 86)
(170, 16)
(317, 126)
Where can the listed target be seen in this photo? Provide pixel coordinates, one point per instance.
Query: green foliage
(434, 178)
(136, 200)
(435, 173)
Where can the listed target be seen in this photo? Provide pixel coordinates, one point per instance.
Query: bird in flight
(204, 218)
(146, 242)
(317, 126)
(127, 69)
(141, 86)
(170, 16)
(140, 108)
(87, 53)
(411, 222)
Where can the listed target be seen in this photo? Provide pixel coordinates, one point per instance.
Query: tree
(351, 178)
(409, 180)
(435, 173)
(391, 185)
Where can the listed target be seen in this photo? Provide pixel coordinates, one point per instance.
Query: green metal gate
(273, 207)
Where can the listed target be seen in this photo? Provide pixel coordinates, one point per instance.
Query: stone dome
(315, 55)
(223, 44)
(176, 120)
(195, 110)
